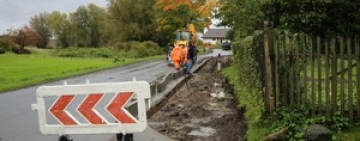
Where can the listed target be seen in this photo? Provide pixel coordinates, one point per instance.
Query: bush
(299, 119)
(122, 46)
(2, 50)
(138, 49)
(6, 43)
(121, 49)
(85, 52)
(151, 45)
(245, 77)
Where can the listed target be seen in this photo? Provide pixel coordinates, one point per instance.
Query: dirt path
(202, 110)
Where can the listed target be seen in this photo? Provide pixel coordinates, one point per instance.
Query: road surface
(19, 123)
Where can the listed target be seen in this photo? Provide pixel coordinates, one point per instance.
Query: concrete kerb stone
(165, 82)
(161, 84)
(169, 77)
(153, 90)
(176, 75)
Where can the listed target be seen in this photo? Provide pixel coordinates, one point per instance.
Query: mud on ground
(202, 110)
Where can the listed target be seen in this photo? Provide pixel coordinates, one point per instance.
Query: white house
(214, 36)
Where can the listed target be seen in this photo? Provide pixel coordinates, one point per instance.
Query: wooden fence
(322, 74)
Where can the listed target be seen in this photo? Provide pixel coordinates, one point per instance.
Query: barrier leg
(119, 137)
(65, 138)
(127, 137)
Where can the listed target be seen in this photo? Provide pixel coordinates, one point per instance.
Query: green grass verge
(252, 101)
(18, 71)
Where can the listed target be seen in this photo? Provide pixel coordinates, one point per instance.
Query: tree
(24, 36)
(196, 12)
(53, 20)
(61, 27)
(86, 26)
(173, 19)
(97, 23)
(315, 17)
(173, 15)
(132, 19)
(243, 16)
(39, 23)
(81, 20)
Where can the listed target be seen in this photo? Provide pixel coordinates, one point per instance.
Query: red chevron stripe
(116, 107)
(87, 108)
(58, 110)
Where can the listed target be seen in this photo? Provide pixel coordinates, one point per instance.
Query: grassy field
(18, 71)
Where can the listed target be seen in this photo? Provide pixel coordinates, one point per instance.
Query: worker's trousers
(189, 65)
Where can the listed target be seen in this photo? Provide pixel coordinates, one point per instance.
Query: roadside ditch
(202, 108)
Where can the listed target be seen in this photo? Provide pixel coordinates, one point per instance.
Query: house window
(214, 39)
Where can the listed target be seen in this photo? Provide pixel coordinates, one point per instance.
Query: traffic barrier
(158, 91)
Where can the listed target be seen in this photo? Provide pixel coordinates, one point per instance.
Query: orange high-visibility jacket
(177, 54)
(184, 53)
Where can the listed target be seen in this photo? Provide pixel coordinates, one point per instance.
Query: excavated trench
(203, 109)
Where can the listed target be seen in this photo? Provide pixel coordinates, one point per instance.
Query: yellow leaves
(205, 11)
(187, 2)
(213, 3)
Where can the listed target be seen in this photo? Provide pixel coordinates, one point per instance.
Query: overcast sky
(16, 13)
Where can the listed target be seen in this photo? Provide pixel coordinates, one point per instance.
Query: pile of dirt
(201, 110)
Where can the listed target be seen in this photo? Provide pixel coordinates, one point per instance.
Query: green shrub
(122, 46)
(121, 49)
(245, 77)
(151, 45)
(85, 52)
(6, 44)
(299, 119)
(140, 49)
(2, 50)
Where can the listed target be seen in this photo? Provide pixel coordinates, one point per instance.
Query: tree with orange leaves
(176, 14)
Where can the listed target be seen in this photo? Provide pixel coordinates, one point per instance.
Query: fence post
(269, 90)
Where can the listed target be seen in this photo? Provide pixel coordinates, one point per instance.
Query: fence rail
(322, 74)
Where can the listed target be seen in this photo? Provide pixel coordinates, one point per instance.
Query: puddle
(203, 131)
(218, 94)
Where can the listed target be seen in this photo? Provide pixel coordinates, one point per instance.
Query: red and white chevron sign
(101, 110)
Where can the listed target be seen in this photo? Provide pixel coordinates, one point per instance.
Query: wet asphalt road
(19, 123)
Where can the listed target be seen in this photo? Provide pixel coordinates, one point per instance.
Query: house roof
(215, 33)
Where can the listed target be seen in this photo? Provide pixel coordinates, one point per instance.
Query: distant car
(226, 46)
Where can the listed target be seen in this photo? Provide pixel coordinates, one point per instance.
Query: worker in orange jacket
(178, 55)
